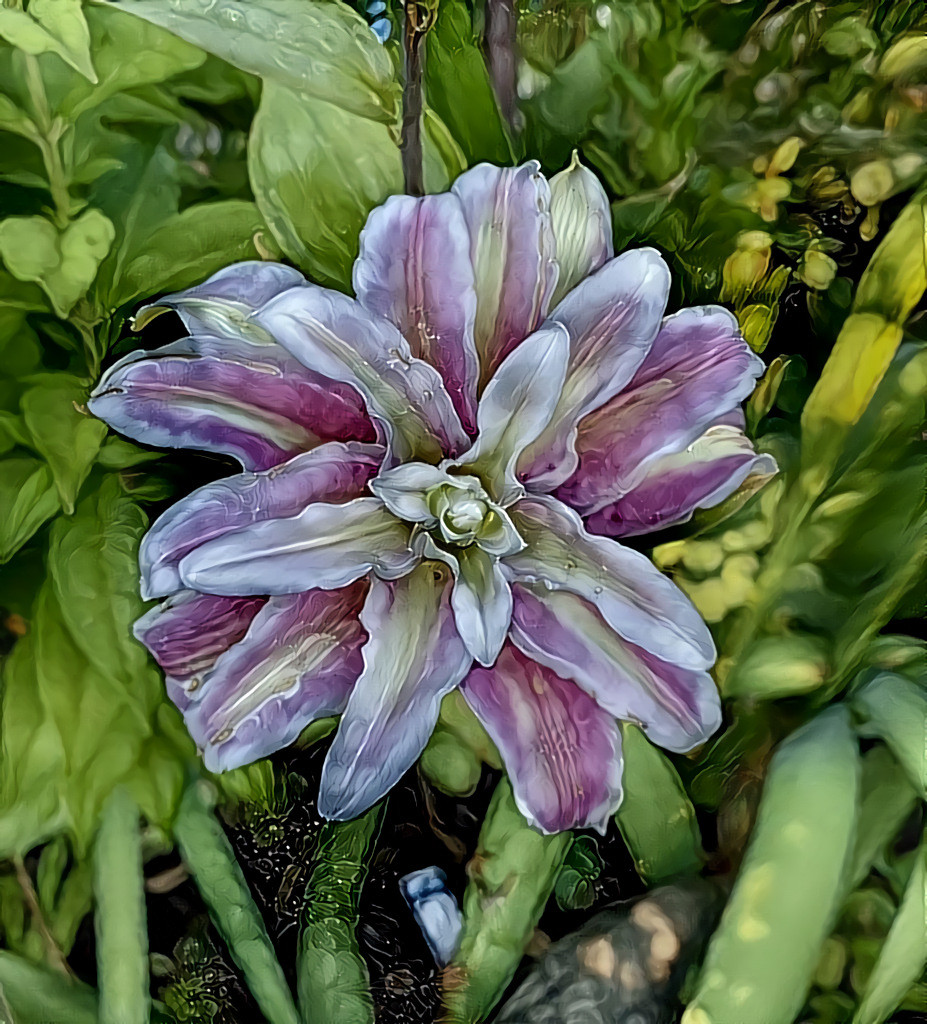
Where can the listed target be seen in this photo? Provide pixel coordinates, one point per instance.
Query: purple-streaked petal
(325, 546)
(700, 476)
(698, 368)
(561, 750)
(414, 269)
(413, 658)
(298, 662)
(581, 220)
(332, 472)
(512, 248)
(189, 631)
(679, 708)
(222, 304)
(641, 604)
(515, 407)
(335, 336)
(612, 318)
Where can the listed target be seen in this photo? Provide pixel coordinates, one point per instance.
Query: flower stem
(501, 28)
(419, 19)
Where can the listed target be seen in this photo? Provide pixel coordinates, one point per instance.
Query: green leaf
(511, 878)
(39, 996)
(211, 860)
(64, 263)
(120, 921)
(894, 709)
(332, 977)
(51, 26)
(68, 440)
(324, 50)
(656, 817)
(902, 957)
(28, 497)
(190, 246)
(762, 957)
(12, 119)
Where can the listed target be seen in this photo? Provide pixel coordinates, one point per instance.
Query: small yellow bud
(817, 270)
(871, 183)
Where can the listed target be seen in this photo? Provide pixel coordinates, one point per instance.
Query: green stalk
(332, 977)
(218, 876)
(120, 920)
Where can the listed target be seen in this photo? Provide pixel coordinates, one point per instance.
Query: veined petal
(325, 546)
(298, 661)
(516, 406)
(561, 750)
(512, 248)
(189, 631)
(332, 472)
(413, 658)
(679, 708)
(581, 220)
(481, 599)
(641, 604)
(222, 304)
(402, 490)
(335, 336)
(612, 318)
(700, 476)
(253, 413)
(414, 269)
(698, 368)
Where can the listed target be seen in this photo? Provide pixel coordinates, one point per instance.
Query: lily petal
(414, 269)
(700, 476)
(325, 546)
(581, 221)
(698, 368)
(402, 490)
(298, 661)
(641, 604)
(516, 406)
(222, 304)
(612, 318)
(332, 472)
(679, 708)
(512, 247)
(413, 658)
(335, 336)
(189, 631)
(561, 750)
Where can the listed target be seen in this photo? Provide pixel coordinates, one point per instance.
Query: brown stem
(501, 27)
(418, 21)
(53, 954)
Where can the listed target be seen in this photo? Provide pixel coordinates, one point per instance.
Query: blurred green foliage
(774, 152)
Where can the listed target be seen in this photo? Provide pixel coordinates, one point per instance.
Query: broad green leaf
(511, 878)
(39, 996)
(904, 952)
(762, 957)
(119, 918)
(68, 439)
(324, 50)
(190, 246)
(895, 709)
(656, 817)
(64, 263)
(332, 978)
(28, 497)
(51, 26)
(12, 119)
(211, 860)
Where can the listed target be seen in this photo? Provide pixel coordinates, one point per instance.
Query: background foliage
(777, 154)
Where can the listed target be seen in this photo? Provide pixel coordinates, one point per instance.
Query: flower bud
(582, 225)
(817, 270)
(872, 182)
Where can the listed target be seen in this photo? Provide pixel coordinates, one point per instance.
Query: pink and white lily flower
(435, 475)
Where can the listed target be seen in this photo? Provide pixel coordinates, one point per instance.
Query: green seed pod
(763, 956)
(777, 667)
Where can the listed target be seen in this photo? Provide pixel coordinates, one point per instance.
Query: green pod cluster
(120, 919)
(656, 817)
(762, 958)
(511, 878)
(211, 860)
(333, 984)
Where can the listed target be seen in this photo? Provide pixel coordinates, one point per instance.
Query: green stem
(47, 142)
